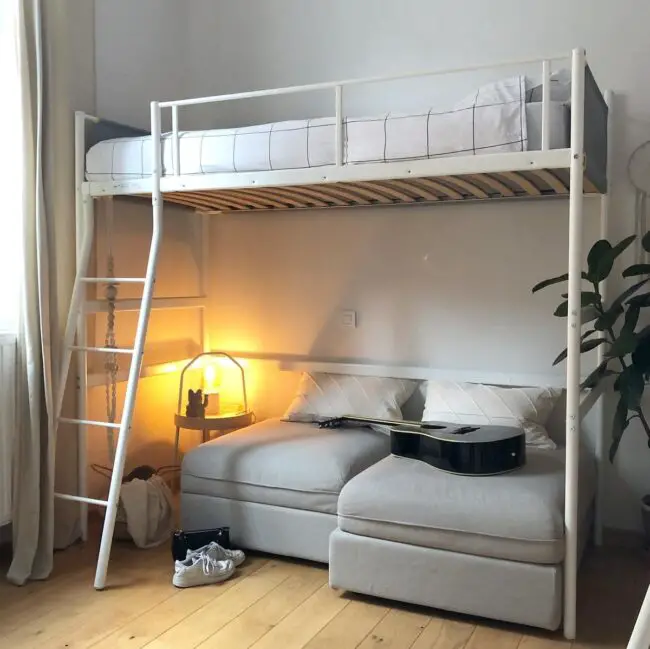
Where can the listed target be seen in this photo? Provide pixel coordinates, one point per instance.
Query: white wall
(140, 56)
(424, 280)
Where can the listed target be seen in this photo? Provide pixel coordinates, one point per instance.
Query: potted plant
(616, 326)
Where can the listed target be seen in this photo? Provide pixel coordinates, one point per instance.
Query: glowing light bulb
(211, 384)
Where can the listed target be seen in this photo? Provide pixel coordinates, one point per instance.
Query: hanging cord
(111, 366)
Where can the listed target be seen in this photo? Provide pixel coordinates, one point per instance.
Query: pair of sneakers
(210, 564)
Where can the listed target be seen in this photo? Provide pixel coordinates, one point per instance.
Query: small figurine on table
(196, 404)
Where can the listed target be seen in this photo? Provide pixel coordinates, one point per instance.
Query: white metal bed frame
(572, 158)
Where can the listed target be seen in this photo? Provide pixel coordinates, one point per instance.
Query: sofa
(389, 526)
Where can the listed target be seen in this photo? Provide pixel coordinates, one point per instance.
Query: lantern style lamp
(204, 409)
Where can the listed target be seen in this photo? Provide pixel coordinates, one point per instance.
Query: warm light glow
(211, 378)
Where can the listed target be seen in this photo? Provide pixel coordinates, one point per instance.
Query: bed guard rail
(338, 86)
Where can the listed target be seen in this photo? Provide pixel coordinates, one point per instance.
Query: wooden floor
(275, 603)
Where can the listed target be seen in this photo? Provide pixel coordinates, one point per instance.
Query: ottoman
(488, 546)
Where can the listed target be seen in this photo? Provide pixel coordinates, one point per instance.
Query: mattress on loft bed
(496, 119)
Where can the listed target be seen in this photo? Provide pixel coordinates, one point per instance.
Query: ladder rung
(114, 280)
(82, 499)
(95, 306)
(105, 350)
(88, 422)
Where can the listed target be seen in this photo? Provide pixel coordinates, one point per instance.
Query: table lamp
(204, 409)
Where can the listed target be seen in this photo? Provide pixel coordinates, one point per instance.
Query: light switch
(348, 319)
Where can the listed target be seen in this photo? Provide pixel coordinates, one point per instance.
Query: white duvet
(490, 120)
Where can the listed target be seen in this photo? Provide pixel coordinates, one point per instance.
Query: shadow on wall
(438, 286)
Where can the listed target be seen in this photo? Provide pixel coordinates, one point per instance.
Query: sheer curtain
(12, 165)
(24, 264)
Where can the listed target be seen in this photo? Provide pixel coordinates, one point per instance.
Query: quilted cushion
(473, 403)
(323, 395)
(283, 464)
(517, 516)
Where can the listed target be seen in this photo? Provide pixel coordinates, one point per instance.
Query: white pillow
(474, 403)
(323, 395)
(560, 88)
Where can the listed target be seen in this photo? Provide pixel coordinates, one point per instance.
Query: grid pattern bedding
(494, 119)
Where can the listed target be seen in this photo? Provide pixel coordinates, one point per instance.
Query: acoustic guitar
(455, 448)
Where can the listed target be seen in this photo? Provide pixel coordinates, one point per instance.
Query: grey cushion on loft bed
(286, 464)
(517, 516)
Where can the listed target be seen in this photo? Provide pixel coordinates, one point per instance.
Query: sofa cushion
(287, 464)
(517, 516)
(321, 395)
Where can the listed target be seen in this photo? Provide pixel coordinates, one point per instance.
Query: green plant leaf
(594, 378)
(643, 299)
(637, 269)
(608, 319)
(610, 316)
(555, 280)
(623, 345)
(586, 334)
(622, 245)
(641, 355)
(586, 346)
(645, 241)
(560, 357)
(586, 298)
(631, 318)
(550, 282)
(631, 384)
(618, 426)
(618, 302)
(600, 260)
(601, 257)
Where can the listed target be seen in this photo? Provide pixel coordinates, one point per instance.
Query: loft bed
(507, 142)
(531, 145)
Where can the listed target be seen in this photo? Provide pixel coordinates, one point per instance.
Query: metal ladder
(76, 325)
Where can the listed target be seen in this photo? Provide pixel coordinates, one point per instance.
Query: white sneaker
(219, 553)
(201, 569)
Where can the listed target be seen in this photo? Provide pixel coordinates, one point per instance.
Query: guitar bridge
(463, 430)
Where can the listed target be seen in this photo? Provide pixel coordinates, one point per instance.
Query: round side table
(223, 424)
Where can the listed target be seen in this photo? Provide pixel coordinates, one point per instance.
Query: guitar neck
(381, 422)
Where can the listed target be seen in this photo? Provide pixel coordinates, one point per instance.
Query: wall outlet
(348, 319)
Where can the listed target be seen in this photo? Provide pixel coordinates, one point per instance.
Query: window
(12, 165)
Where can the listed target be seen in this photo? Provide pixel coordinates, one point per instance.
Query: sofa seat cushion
(286, 464)
(517, 516)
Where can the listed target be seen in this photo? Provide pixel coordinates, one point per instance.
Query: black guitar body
(456, 448)
(466, 450)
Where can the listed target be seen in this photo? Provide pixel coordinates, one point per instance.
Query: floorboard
(273, 602)
(397, 630)
(350, 627)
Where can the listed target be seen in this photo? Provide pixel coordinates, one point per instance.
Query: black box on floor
(184, 541)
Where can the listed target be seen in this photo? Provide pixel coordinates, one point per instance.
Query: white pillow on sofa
(323, 395)
(474, 403)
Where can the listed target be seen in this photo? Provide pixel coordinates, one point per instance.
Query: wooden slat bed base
(403, 191)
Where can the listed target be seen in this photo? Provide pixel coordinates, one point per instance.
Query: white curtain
(33, 502)
(44, 186)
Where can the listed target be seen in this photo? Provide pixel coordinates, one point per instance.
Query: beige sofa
(388, 526)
